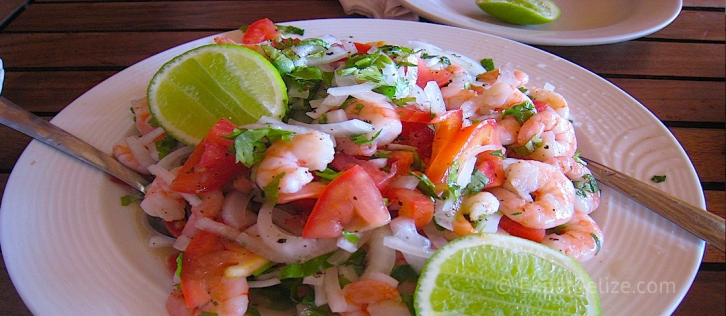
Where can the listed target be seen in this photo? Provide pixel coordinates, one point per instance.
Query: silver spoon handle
(705, 225)
(21, 120)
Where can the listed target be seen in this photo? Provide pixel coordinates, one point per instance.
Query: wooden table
(54, 50)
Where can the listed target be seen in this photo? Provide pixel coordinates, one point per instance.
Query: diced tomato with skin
(426, 74)
(350, 202)
(493, 167)
(418, 135)
(400, 162)
(446, 126)
(362, 48)
(205, 259)
(343, 162)
(260, 31)
(482, 133)
(413, 204)
(519, 230)
(413, 114)
(175, 227)
(211, 164)
(540, 105)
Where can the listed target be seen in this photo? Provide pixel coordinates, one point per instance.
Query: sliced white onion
(489, 224)
(379, 258)
(140, 152)
(337, 116)
(175, 158)
(182, 242)
(333, 292)
(444, 212)
(548, 86)
(211, 226)
(405, 182)
(149, 137)
(289, 247)
(345, 244)
(324, 105)
(339, 257)
(385, 278)
(334, 53)
(436, 100)
(341, 129)
(436, 237)
(469, 162)
(235, 212)
(263, 283)
(315, 279)
(371, 96)
(352, 89)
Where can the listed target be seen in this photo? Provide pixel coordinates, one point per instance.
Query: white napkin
(379, 9)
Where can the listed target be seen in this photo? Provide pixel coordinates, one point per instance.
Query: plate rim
(551, 38)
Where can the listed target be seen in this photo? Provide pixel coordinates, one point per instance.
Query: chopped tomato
(519, 230)
(418, 135)
(211, 164)
(205, 259)
(413, 115)
(426, 74)
(413, 204)
(446, 125)
(343, 162)
(493, 167)
(175, 227)
(540, 105)
(400, 162)
(260, 31)
(350, 202)
(481, 133)
(362, 48)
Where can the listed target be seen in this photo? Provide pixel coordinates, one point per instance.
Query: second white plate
(582, 22)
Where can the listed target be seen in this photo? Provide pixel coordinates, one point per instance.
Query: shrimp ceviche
(385, 154)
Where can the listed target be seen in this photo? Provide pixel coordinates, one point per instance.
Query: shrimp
(490, 77)
(142, 116)
(556, 137)
(508, 129)
(139, 160)
(371, 297)
(294, 159)
(497, 97)
(581, 238)
(553, 99)
(535, 195)
(230, 298)
(161, 201)
(587, 192)
(386, 127)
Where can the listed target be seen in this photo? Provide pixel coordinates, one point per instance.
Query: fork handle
(700, 222)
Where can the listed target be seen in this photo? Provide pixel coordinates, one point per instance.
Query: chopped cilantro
(272, 189)
(250, 144)
(351, 237)
(522, 112)
(126, 200)
(488, 64)
(658, 178)
(478, 181)
(363, 140)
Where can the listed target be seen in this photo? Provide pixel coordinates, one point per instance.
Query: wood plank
(59, 88)
(695, 25)
(715, 203)
(165, 15)
(15, 309)
(704, 3)
(706, 149)
(645, 58)
(126, 48)
(708, 287)
(679, 100)
(9, 7)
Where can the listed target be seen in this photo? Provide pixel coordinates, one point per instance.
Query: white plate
(71, 249)
(582, 22)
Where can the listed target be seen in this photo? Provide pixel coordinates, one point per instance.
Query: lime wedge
(492, 274)
(521, 11)
(195, 89)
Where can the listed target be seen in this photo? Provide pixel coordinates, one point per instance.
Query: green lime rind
(493, 274)
(194, 90)
(521, 12)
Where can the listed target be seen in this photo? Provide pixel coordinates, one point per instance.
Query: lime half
(195, 89)
(521, 11)
(492, 274)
